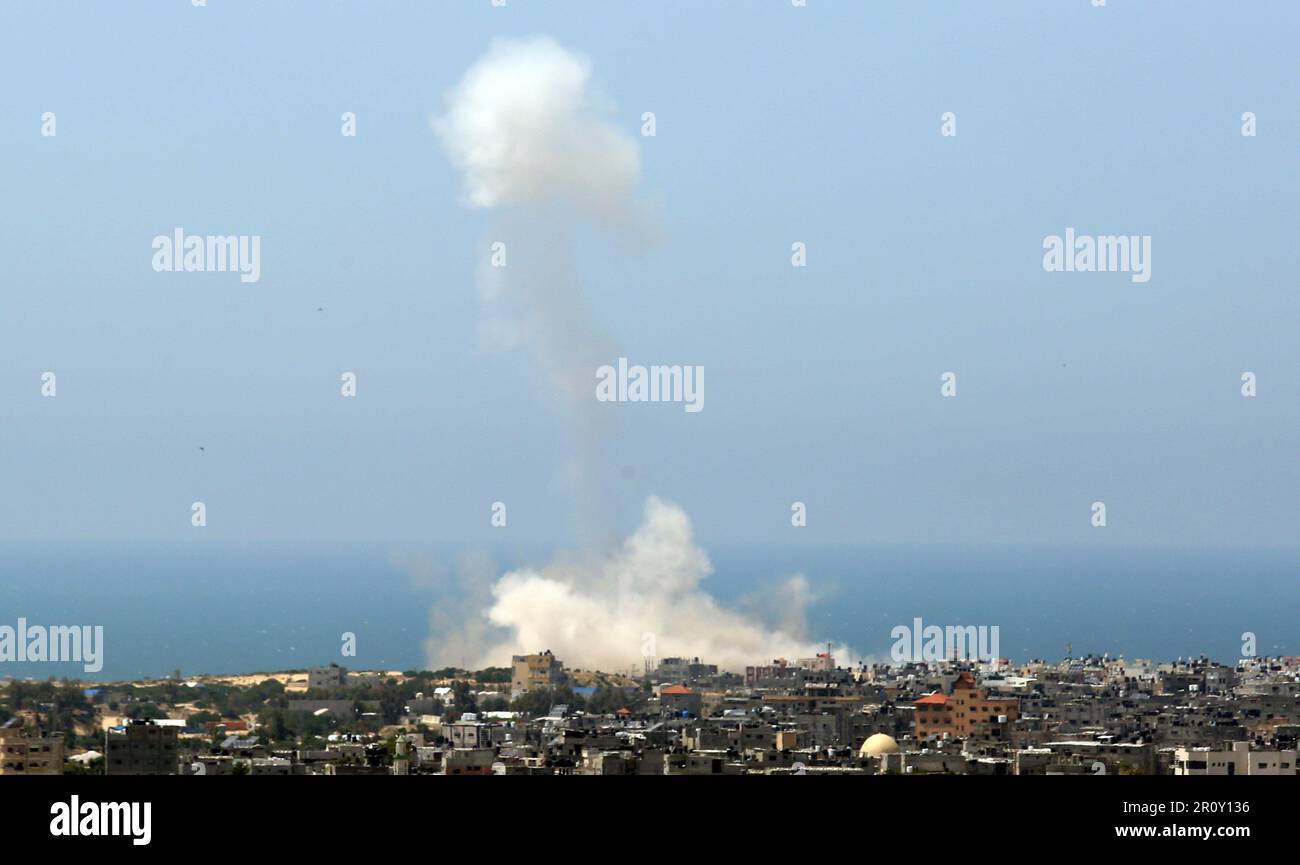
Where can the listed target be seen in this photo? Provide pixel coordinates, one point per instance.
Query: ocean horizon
(227, 608)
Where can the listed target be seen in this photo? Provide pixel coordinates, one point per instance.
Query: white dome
(877, 745)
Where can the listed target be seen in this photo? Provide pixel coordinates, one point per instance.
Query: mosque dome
(877, 745)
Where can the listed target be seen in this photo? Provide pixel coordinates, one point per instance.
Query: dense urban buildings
(1091, 715)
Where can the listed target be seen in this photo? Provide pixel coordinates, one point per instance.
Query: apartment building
(24, 753)
(530, 672)
(140, 748)
(957, 713)
(676, 699)
(325, 678)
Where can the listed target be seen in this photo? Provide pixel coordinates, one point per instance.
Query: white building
(1237, 760)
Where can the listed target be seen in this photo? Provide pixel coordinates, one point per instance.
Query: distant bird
(320, 309)
(200, 447)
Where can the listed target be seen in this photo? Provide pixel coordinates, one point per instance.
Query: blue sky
(775, 124)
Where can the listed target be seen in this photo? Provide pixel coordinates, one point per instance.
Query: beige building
(1236, 760)
(530, 672)
(24, 754)
(327, 678)
(468, 734)
(469, 761)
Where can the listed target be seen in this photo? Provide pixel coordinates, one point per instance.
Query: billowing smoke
(525, 127)
(644, 599)
(528, 130)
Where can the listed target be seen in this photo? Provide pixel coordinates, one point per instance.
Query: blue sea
(238, 608)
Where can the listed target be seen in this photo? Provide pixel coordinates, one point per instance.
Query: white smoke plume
(527, 128)
(643, 599)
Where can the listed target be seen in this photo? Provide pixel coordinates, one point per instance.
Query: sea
(242, 608)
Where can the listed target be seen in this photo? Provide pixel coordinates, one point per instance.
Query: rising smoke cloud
(528, 130)
(644, 599)
(525, 126)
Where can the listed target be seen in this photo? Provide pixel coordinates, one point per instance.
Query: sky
(775, 124)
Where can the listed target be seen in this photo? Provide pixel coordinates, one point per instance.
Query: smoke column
(527, 129)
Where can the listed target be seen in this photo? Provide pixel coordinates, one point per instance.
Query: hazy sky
(774, 125)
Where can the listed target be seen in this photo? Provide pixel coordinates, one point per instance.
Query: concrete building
(1239, 759)
(684, 670)
(468, 734)
(776, 674)
(822, 663)
(956, 714)
(469, 761)
(140, 748)
(676, 699)
(325, 678)
(22, 753)
(531, 672)
(270, 766)
(1095, 757)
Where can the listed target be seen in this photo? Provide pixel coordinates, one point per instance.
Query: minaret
(401, 765)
